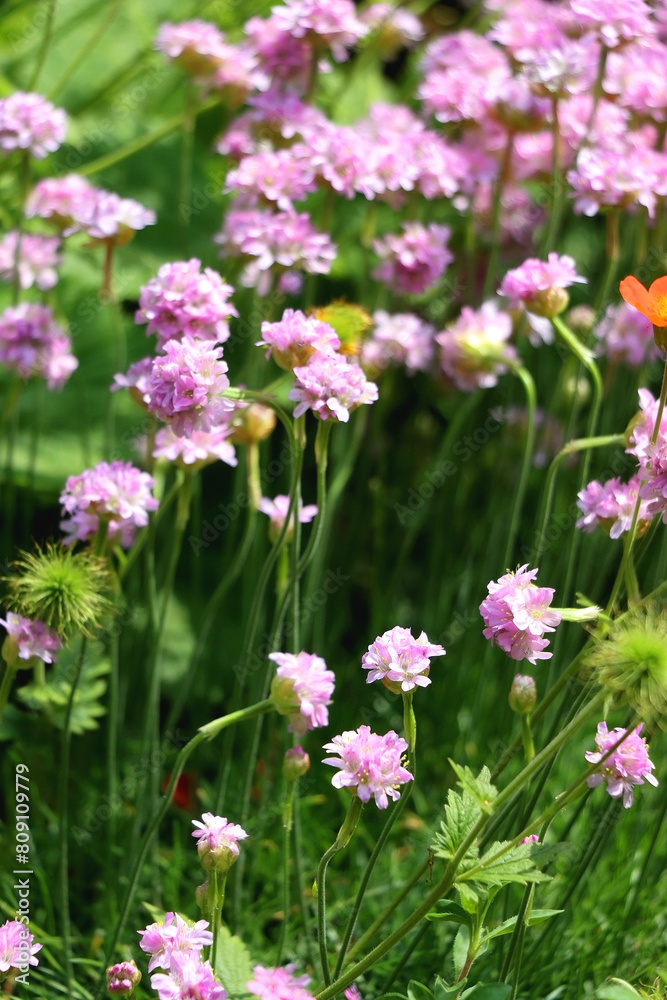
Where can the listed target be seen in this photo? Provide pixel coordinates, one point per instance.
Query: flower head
(296, 337)
(198, 450)
(122, 979)
(277, 510)
(28, 121)
(626, 767)
(399, 660)
(516, 614)
(278, 984)
(217, 842)
(540, 286)
(474, 349)
(16, 946)
(173, 937)
(414, 259)
(331, 387)
(32, 343)
(186, 383)
(302, 690)
(117, 493)
(38, 260)
(369, 763)
(183, 300)
(29, 640)
(188, 979)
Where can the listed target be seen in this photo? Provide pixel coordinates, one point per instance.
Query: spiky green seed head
(69, 591)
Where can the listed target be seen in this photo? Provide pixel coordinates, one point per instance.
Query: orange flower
(652, 302)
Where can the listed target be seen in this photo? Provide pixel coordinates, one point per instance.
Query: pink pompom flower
(626, 767)
(370, 765)
(217, 841)
(413, 260)
(198, 450)
(296, 337)
(188, 978)
(183, 301)
(17, 949)
(474, 349)
(185, 386)
(28, 121)
(302, 690)
(278, 984)
(174, 936)
(38, 260)
(331, 387)
(517, 613)
(32, 343)
(27, 639)
(117, 493)
(540, 286)
(399, 660)
(122, 979)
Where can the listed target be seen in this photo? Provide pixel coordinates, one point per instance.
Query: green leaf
(488, 991)
(460, 949)
(507, 926)
(481, 788)
(445, 992)
(469, 898)
(617, 989)
(515, 865)
(418, 991)
(450, 911)
(52, 698)
(233, 965)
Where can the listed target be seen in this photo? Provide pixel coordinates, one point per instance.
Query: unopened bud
(523, 695)
(295, 763)
(122, 979)
(252, 423)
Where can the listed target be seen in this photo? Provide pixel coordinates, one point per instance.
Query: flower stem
(341, 841)
(531, 405)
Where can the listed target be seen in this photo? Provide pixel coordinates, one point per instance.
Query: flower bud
(285, 699)
(523, 694)
(122, 979)
(252, 424)
(295, 763)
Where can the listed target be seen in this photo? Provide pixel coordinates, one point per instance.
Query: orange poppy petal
(658, 295)
(635, 294)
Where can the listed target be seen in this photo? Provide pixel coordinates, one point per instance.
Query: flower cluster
(302, 690)
(16, 947)
(28, 121)
(185, 301)
(331, 387)
(371, 764)
(415, 259)
(611, 506)
(296, 337)
(540, 286)
(277, 510)
(32, 343)
(401, 338)
(74, 205)
(199, 449)
(27, 639)
(399, 660)
(217, 841)
(516, 614)
(278, 984)
(175, 946)
(474, 349)
(185, 386)
(117, 493)
(37, 261)
(627, 766)
(122, 978)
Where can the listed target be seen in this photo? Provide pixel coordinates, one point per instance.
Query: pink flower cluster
(539, 285)
(185, 386)
(278, 984)
(324, 23)
(296, 337)
(202, 50)
(331, 386)
(17, 950)
(399, 660)
(31, 343)
(625, 336)
(277, 510)
(175, 946)
(199, 449)
(626, 767)
(74, 205)
(184, 301)
(369, 763)
(37, 261)
(611, 506)
(122, 978)
(401, 338)
(217, 841)
(516, 614)
(28, 121)
(30, 638)
(302, 690)
(117, 493)
(415, 259)
(474, 349)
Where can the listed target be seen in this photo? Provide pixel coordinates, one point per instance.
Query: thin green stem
(342, 840)
(531, 406)
(496, 228)
(47, 38)
(6, 686)
(85, 50)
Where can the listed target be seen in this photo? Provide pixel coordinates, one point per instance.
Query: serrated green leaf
(53, 696)
(233, 965)
(460, 949)
(481, 788)
(514, 865)
(418, 991)
(469, 898)
(507, 926)
(451, 911)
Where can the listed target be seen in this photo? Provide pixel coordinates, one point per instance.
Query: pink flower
(38, 260)
(626, 172)
(400, 659)
(464, 75)
(616, 21)
(282, 176)
(217, 841)
(473, 349)
(117, 493)
(611, 506)
(540, 286)
(198, 450)
(296, 337)
(122, 979)
(516, 614)
(137, 379)
(414, 260)
(194, 45)
(172, 939)
(323, 23)
(188, 979)
(28, 121)
(31, 343)
(531, 839)
(626, 767)
(331, 387)
(642, 428)
(277, 509)
(185, 386)
(17, 950)
(30, 638)
(302, 690)
(399, 338)
(183, 301)
(626, 336)
(370, 763)
(278, 984)
(62, 199)
(111, 219)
